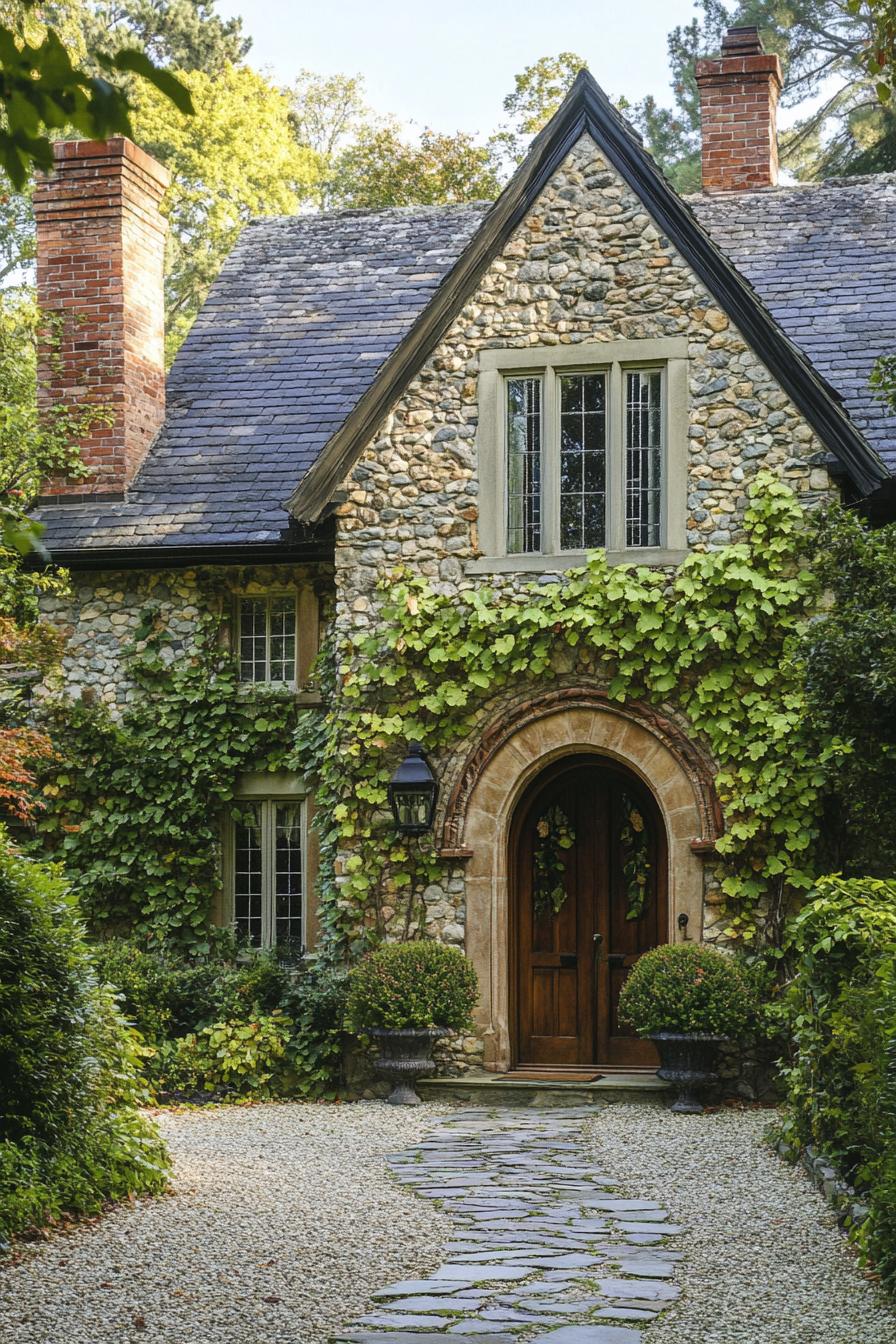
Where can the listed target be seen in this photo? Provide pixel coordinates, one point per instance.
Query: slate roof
(296, 326)
(823, 258)
(307, 309)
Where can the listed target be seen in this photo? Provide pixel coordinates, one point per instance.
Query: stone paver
(542, 1252)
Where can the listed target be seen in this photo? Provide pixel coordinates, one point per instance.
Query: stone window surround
(273, 787)
(614, 357)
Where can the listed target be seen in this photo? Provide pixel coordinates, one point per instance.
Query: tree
(850, 661)
(181, 34)
(537, 93)
(235, 160)
(33, 447)
(381, 169)
(42, 90)
(328, 112)
(824, 47)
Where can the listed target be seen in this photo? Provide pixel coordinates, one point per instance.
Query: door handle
(598, 944)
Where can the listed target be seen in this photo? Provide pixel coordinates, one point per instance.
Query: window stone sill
(654, 557)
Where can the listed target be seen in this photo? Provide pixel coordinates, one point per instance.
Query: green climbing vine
(134, 807)
(717, 641)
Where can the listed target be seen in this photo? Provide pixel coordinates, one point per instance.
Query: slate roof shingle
(301, 317)
(307, 308)
(822, 257)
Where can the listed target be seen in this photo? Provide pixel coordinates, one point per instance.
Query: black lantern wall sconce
(413, 792)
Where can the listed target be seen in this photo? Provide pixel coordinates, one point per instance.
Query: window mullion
(550, 463)
(616, 460)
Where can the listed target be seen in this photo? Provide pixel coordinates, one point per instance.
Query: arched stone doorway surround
(511, 751)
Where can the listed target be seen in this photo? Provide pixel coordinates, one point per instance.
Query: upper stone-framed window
(266, 638)
(583, 447)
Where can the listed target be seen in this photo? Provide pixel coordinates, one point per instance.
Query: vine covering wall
(714, 642)
(134, 805)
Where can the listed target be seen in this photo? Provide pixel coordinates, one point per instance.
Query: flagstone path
(543, 1250)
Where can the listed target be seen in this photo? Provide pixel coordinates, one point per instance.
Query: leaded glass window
(288, 892)
(524, 502)
(643, 456)
(267, 638)
(248, 850)
(268, 883)
(583, 461)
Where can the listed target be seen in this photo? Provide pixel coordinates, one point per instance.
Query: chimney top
(739, 94)
(743, 42)
(100, 258)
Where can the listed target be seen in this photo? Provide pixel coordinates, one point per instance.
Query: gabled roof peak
(586, 109)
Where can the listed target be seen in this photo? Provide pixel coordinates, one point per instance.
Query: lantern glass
(412, 793)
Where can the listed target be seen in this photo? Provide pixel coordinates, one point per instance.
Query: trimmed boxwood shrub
(688, 987)
(73, 1136)
(419, 984)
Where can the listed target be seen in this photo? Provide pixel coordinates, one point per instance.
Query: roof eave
(314, 549)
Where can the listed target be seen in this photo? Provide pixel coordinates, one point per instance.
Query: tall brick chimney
(738, 114)
(100, 257)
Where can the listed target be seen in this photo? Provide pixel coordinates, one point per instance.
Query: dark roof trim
(187, 557)
(586, 108)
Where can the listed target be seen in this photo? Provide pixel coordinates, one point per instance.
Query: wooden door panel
(566, 998)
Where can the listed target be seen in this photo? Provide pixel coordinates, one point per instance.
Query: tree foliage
(850, 659)
(220, 179)
(181, 34)
(71, 1134)
(840, 1013)
(383, 168)
(42, 89)
(33, 447)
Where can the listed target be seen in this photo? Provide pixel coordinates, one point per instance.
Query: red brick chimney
(100, 257)
(738, 114)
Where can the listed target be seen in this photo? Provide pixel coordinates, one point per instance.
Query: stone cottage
(481, 394)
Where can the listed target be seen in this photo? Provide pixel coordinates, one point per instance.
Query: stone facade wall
(101, 616)
(587, 264)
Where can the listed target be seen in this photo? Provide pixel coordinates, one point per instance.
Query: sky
(449, 66)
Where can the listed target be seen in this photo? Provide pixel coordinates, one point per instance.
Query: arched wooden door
(590, 880)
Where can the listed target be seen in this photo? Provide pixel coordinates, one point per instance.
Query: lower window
(268, 886)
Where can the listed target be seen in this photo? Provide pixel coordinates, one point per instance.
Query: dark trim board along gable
(587, 109)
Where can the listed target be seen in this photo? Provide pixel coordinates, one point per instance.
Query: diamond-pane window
(267, 638)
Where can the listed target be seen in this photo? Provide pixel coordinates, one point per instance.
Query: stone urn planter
(689, 999)
(405, 996)
(405, 1055)
(688, 1061)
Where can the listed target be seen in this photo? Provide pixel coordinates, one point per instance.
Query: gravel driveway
(762, 1259)
(282, 1223)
